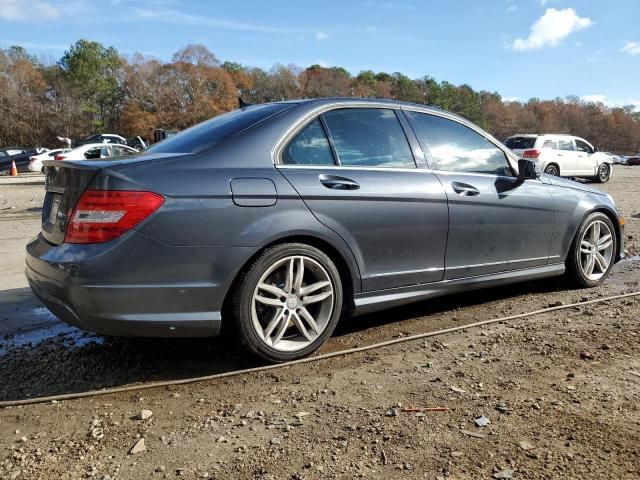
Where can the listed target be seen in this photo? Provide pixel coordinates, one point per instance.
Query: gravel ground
(561, 391)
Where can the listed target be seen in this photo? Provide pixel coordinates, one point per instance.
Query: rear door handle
(338, 183)
(464, 189)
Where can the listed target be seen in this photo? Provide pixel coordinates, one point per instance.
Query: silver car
(276, 220)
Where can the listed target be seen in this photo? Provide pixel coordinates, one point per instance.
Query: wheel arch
(349, 273)
(616, 227)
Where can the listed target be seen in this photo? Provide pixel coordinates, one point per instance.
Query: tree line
(92, 89)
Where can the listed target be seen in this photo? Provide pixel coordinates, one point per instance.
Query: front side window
(566, 144)
(456, 148)
(369, 137)
(309, 147)
(583, 146)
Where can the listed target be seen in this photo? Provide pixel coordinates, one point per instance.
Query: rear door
(355, 170)
(496, 222)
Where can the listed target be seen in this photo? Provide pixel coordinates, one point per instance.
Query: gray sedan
(275, 220)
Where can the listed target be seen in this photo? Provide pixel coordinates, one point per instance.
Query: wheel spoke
(316, 298)
(272, 289)
(304, 313)
(275, 320)
(300, 326)
(274, 302)
(602, 263)
(282, 327)
(299, 275)
(595, 233)
(605, 242)
(313, 287)
(588, 268)
(288, 283)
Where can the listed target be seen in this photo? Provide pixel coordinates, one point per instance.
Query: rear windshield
(520, 143)
(211, 132)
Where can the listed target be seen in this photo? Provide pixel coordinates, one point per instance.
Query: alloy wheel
(292, 303)
(596, 250)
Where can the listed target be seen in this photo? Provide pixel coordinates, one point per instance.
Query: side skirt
(381, 299)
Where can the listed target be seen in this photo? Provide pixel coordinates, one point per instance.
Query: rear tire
(604, 173)
(552, 170)
(288, 302)
(593, 251)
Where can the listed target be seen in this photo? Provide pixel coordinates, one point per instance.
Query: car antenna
(243, 103)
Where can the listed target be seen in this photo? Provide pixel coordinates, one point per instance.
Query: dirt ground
(561, 390)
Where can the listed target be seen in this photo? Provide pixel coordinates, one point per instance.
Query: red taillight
(102, 215)
(531, 153)
(59, 157)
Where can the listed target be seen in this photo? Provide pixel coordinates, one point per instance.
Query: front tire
(604, 173)
(288, 302)
(593, 251)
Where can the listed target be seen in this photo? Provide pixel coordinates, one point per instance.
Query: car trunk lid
(64, 184)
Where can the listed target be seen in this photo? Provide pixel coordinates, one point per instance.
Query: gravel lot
(561, 390)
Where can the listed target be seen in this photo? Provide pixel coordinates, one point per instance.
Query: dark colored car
(277, 219)
(21, 159)
(635, 160)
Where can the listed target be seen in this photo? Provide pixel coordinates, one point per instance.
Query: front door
(362, 182)
(497, 223)
(586, 165)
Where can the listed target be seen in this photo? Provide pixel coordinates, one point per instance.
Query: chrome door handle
(335, 182)
(464, 189)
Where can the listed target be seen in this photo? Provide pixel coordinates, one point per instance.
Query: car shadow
(54, 358)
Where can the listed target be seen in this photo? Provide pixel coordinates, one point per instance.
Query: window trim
(431, 161)
(302, 122)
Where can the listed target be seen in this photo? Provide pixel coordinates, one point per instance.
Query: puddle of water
(67, 335)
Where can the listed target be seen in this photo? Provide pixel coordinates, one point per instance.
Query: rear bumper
(134, 285)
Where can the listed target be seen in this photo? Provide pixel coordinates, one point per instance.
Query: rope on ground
(316, 358)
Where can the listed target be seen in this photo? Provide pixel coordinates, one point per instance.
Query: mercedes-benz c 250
(275, 220)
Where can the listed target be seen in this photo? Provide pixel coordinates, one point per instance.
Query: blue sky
(520, 48)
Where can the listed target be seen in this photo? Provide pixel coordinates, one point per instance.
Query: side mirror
(527, 169)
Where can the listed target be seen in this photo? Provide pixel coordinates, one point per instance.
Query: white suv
(563, 155)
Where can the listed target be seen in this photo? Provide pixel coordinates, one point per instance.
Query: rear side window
(218, 129)
(309, 147)
(369, 137)
(456, 148)
(520, 143)
(566, 145)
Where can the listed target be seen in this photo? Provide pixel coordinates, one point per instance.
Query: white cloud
(27, 10)
(322, 36)
(611, 102)
(595, 98)
(632, 48)
(552, 27)
(176, 17)
(509, 99)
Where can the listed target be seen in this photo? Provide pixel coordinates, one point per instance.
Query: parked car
(101, 138)
(563, 155)
(275, 220)
(19, 156)
(96, 150)
(35, 161)
(635, 160)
